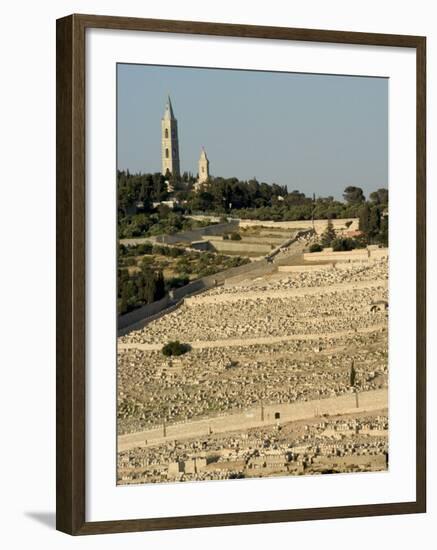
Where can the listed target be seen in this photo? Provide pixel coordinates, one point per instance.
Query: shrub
(171, 251)
(235, 236)
(343, 245)
(360, 242)
(147, 261)
(316, 247)
(176, 252)
(129, 261)
(145, 248)
(175, 348)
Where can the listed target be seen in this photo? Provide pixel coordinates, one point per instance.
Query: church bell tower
(170, 142)
(203, 167)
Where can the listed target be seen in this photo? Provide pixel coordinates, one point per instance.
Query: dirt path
(258, 340)
(282, 293)
(343, 404)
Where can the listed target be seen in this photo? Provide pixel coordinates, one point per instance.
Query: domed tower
(170, 141)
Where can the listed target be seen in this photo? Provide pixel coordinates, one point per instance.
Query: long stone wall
(302, 268)
(142, 312)
(377, 253)
(359, 254)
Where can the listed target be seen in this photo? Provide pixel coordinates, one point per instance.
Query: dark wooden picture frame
(70, 204)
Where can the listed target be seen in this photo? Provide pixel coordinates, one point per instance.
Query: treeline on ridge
(252, 199)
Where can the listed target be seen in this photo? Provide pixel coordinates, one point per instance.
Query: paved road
(343, 404)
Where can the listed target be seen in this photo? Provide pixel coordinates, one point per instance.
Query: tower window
(166, 153)
(166, 133)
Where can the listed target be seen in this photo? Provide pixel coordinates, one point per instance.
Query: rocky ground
(327, 315)
(325, 445)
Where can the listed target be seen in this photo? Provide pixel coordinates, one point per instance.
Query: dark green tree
(379, 197)
(353, 195)
(374, 223)
(364, 215)
(159, 285)
(383, 232)
(352, 376)
(328, 235)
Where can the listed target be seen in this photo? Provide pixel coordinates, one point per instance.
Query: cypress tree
(328, 235)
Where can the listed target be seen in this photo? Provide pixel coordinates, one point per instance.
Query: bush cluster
(343, 244)
(316, 247)
(175, 348)
(235, 236)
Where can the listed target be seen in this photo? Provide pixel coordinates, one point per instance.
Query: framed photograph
(240, 274)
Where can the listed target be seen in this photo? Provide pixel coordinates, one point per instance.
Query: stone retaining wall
(301, 268)
(141, 313)
(357, 255)
(378, 253)
(361, 254)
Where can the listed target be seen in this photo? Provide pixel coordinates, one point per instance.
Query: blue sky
(314, 133)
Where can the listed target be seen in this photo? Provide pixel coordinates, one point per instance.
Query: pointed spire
(168, 114)
(203, 153)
